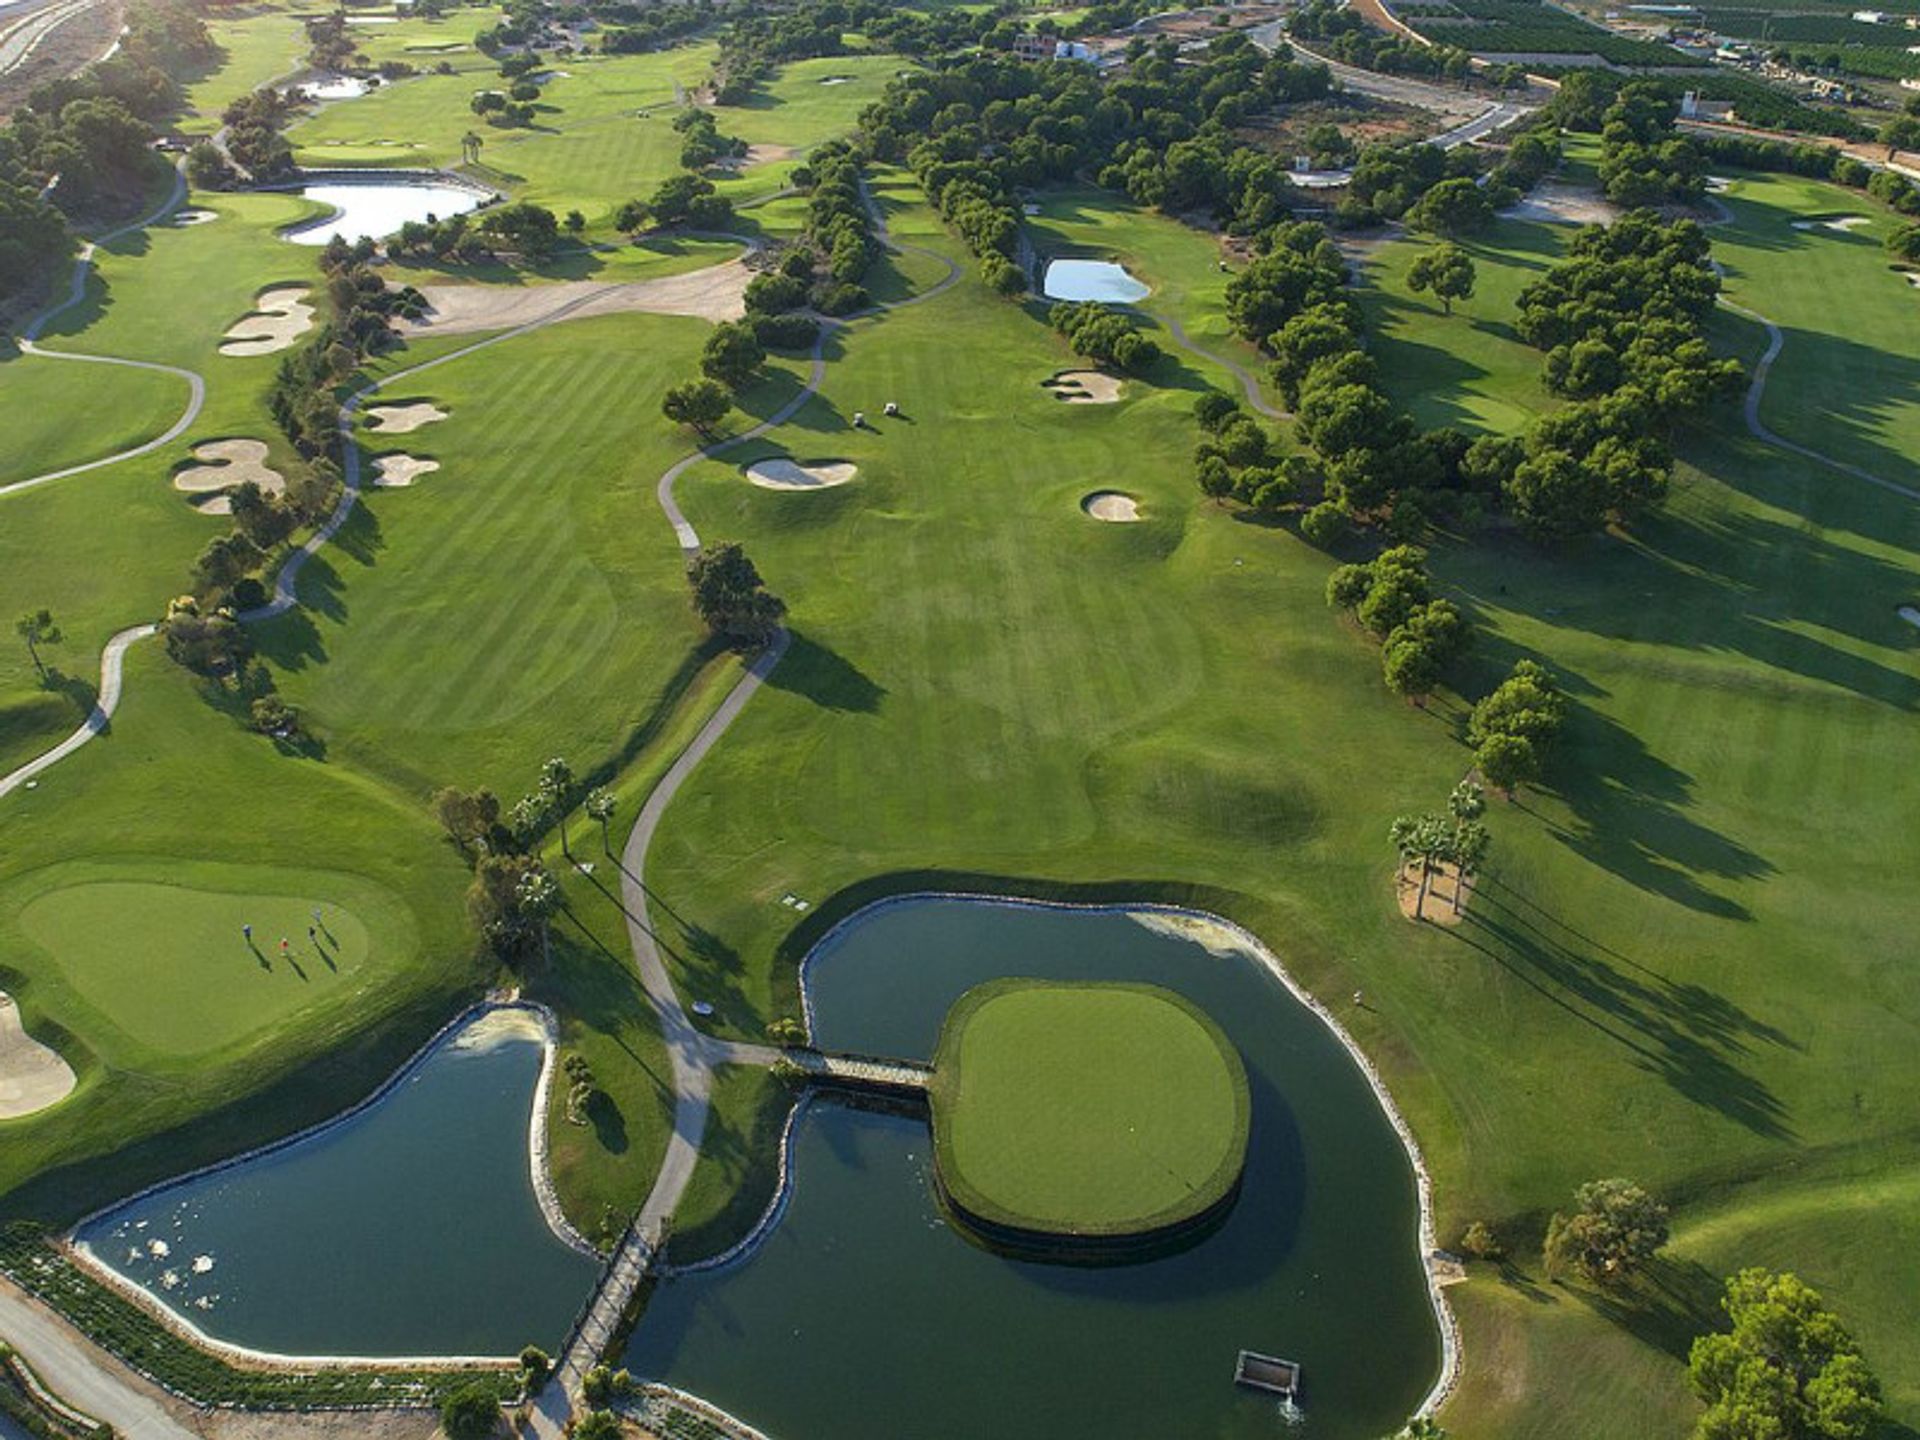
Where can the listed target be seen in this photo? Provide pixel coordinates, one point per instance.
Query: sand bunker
(1083, 387)
(186, 218)
(758, 155)
(716, 293)
(1913, 278)
(1838, 223)
(1444, 884)
(1910, 614)
(32, 1075)
(784, 474)
(230, 463)
(279, 318)
(400, 419)
(396, 472)
(1111, 506)
(1718, 184)
(838, 80)
(1555, 203)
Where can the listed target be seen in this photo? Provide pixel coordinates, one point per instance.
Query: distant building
(1033, 47)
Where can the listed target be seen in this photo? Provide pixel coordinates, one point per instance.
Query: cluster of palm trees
(1456, 838)
(551, 801)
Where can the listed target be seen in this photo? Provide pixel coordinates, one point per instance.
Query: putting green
(1093, 1110)
(169, 965)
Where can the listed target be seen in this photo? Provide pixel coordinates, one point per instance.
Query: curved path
(76, 291)
(1239, 372)
(1756, 389)
(97, 719)
(694, 1055)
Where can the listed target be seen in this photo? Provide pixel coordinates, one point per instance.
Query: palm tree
(601, 805)
(37, 629)
(537, 897)
(1467, 846)
(1418, 837)
(557, 784)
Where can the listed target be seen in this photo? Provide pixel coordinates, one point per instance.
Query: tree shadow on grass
(1666, 1307)
(827, 678)
(1689, 1038)
(78, 691)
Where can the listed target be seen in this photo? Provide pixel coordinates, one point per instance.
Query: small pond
(862, 1289)
(411, 1229)
(378, 207)
(1101, 280)
(334, 87)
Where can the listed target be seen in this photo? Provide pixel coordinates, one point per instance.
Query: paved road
(23, 33)
(1239, 372)
(79, 1374)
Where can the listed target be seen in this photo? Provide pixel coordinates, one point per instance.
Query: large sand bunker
(32, 1075)
(1111, 506)
(400, 419)
(279, 318)
(1556, 203)
(1083, 387)
(1840, 224)
(396, 472)
(229, 464)
(715, 293)
(784, 474)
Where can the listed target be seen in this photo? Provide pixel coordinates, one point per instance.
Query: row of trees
(1238, 459)
(701, 143)
(1511, 729)
(1643, 161)
(1107, 337)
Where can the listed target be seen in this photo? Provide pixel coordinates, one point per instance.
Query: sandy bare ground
(32, 1075)
(229, 463)
(1083, 387)
(396, 472)
(1556, 203)
(715, 293)
(1839, 223)
(1443, 884)
(402, 419)
(784, 474)
(280, 317)
(1111, 506)
(757, 155)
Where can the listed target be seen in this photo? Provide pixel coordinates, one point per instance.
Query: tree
(600, 806)
(1507, 762)
(732, 354)
(468, 817)
(1481, 1243)
(1447, 271)
(575, 222)
(1900, 133)
(535, 1366)
(558, 784)
(470, 1413)
(1422, 840)
(1616, 1227)
(1453, 207)
(37, 628)
(598, 1425)
(701, 404)
(1788, 1371)
(631, 217)
(470, 144)
(730, 596)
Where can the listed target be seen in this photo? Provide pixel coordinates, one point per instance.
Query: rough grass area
(1086, 1110)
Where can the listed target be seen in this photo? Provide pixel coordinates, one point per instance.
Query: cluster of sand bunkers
(1840, 224)
(223, 466)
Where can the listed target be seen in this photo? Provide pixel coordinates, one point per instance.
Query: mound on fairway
(171, 966)
(1086, 1113)
(784, 474)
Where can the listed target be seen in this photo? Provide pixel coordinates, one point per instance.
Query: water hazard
(411, 1229)
(378, 207)
(865, 1316)
(1101, 280)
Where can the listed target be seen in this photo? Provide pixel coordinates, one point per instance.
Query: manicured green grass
(739, 1167)
(165, 960)
(1697, 915)
(257, 50)
(130, 406)
(1086, 1110)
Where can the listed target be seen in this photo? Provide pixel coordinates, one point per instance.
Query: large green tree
(1615, 1228)
(1788, 1370)
(1446, 271)
(730, 596)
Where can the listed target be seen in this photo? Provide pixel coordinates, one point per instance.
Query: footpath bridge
(863, 1072)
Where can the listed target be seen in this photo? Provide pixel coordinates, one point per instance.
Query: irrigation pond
(863, 1314)
(1101, 280)
(409, 1229)
(378, 207)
